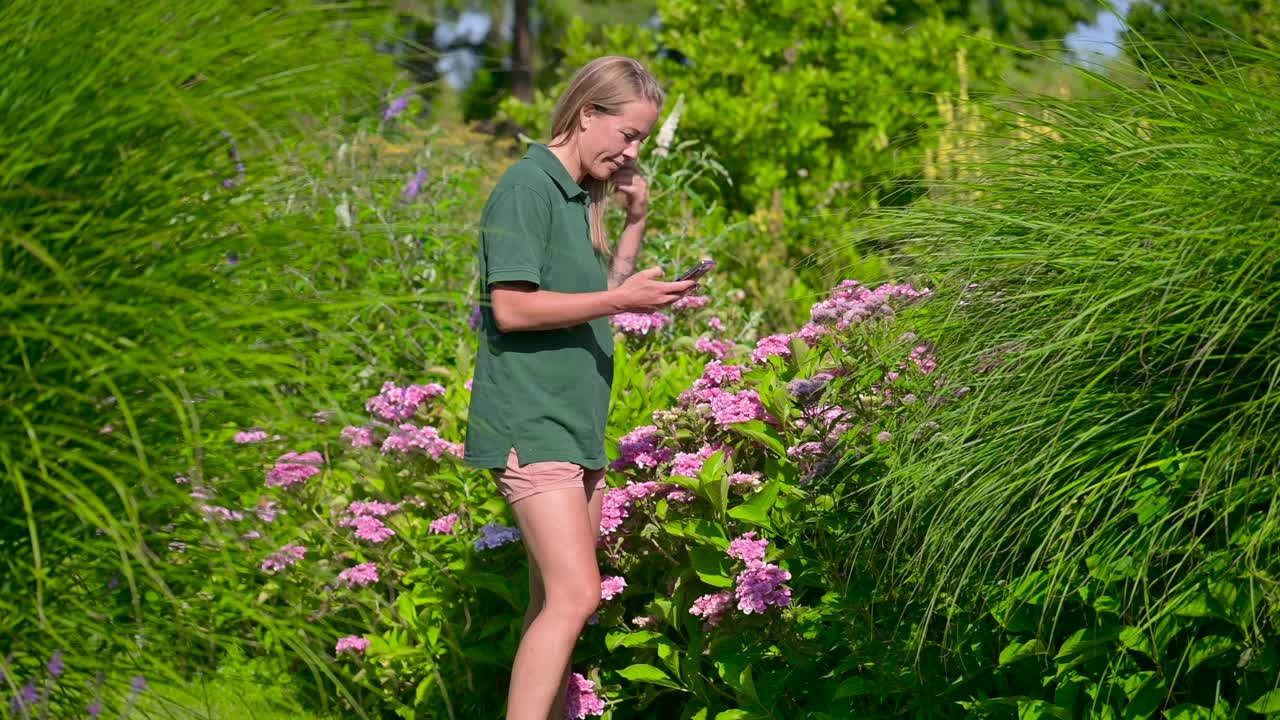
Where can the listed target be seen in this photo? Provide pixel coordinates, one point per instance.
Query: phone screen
(697, 271)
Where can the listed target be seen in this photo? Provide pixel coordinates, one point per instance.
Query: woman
(540, 397)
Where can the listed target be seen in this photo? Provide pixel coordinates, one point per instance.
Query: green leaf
(712, 566)
(1188, 711)
(1207, 648)
(764, 434)
(1268, 704)
(1015, 650)
(733, 715)
(751, 514)
(854, 686)
(648, 674)
(613, 641)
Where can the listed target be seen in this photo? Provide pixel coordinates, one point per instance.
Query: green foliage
(1195, 34)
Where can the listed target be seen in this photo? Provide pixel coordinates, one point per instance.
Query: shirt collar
(551, 165)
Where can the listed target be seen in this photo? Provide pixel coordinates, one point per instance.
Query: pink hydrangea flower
(744, 406)
(250, 436)
(444, 525)
(718, 349)
(644, 621)
(369, 529)
(611, 587)
(747, 548)
(690, 302)
(409, 438)
(852, 303)
(715, 324)
(581, 699)
(353, 644)
(217, 512)
(759, 587)
(284, 557)
(395, 403)
(292, 469)
(639, 324)
(356, 437)
(639, 448)
(743, 482)
(372, 508)
(779, 345)
(689, 464)
(361, 575)
(712, 608)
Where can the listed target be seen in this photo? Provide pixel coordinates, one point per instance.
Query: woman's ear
(586, 116)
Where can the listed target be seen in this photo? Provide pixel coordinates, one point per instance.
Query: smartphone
(703, 267)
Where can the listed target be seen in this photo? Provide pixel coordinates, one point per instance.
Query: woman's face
(610, 142)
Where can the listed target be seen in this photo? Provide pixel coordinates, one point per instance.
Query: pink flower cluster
(767, 347)
(408, 438)
(712, 608)
(353, 644)
(690, 302)
(395, 403)
(356, 437)
(618, 502)
(444, 525)
(251, 436)
(217, 512)
(292, 469)
(690, 464)
(756, 588)
(718, 349)
(744, 406)
(851, 303)
(715, 377)
(639, 324)
(283, 558)
(639, 449)
(361, 575)
(368, 528)
(372, 508)
(611, 587)
(581, 699)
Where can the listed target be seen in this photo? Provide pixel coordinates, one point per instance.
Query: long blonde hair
(608, 83)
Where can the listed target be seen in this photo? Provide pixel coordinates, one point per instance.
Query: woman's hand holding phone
(643, 292)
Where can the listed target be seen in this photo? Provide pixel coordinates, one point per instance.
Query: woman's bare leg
(559, 533)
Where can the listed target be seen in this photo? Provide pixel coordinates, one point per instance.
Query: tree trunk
(521, 53)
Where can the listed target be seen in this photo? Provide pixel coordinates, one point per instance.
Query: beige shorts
(517, 482)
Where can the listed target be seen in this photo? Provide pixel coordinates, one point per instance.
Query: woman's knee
(577, 602)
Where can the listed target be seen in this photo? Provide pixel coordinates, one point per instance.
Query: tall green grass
(122, 216)
(1123, 348)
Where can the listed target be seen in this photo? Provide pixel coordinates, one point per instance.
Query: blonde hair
(607, 83)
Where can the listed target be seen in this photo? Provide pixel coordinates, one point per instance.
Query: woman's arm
(519, 306)
(624, 260)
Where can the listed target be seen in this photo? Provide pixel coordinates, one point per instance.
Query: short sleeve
(514, 235)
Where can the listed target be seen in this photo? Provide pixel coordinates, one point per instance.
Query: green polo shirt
(544, 392)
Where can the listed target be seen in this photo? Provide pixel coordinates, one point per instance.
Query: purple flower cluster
(494, 535)
(747, 548)
(396, 403)
(292, 469)
(372, 508)
(639, 324)
(217, 512)
(758, 587)
(690, 464)
(283, 558)
(744, 406)
(414, 186)
(712, 608)
(397, 106)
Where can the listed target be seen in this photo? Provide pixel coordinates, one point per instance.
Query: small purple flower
(414, 186)
(396, 107)
(233, 154)
(95, 708)
(473, 322)
(55, 665)
(137, 684)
